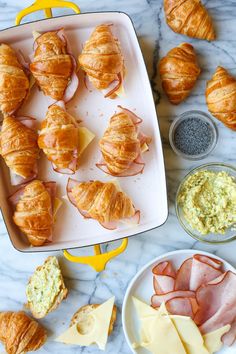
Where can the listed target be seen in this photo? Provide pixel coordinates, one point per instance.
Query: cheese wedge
(85, 138)
(144, 148)
(121, 92)
(56, 206)
(143, 309)
(36, 35)
(99, 334)
(213, 339)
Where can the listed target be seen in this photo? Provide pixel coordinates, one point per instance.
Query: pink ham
(24, 62)
(217, 303)
(180, 306)
(70, 185)
(134, 169)
(157, 300)
(164, 268)
(134, 117)
(28, 122)
(230, 337)
(163, 284)
(59, 104)
(182, 281)
(113, 87)
(109, 225)
(204, 269)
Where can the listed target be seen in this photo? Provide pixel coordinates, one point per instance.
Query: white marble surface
(84, 284)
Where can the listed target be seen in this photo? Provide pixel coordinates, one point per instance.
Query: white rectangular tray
(148, 191)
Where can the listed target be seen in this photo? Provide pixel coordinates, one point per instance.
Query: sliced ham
(15, 197)
(113, 87)
(59, 104)
(133, 170)
(73, 84)
(182, 281)
(180, 306)
(204, 269)
(109, 225)
(144, 139)
(133, 116)
(217, 303)
(157, 300)
(230, 337)
(70, 185)
(24, 62)
(163, 284)
(28, 122)
(134, 220)
(164, 268)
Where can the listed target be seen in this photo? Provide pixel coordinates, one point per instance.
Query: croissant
(19, 333)
(189, 17)
(221, 97)
(59, 139)
(103, 202)
(14, 84)
(121, 145)
(102, 61)
(34, 211)
(179, 71)
(18, 146)
(52, 66)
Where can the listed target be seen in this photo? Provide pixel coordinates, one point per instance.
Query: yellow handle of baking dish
(46, 6)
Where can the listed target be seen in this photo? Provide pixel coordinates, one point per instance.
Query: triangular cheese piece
(56, 206)
(99, 333)
(213, 339)
(85, 138)
(143, 309)
(36, 35)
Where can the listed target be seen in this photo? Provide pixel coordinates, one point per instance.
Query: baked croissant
(59, 139)
(179, 71)
(121, 145)
(221, 97)
(102, 61)
(18, 146)
(14, 84)
(52, 66)
(103, 202)
(34, 211)
(20, 334)
(189, 17)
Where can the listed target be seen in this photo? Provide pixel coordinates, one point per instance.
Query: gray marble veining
(84, 284)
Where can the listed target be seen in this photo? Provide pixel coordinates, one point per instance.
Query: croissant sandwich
(53, 68)
(179, 71)
(34, 210)
(20, 334)
(103, 61)
(189, 17)
(62, 140)
(122, 145)
(14, 83)
(19, 148)
(221, 97)
(103, 202)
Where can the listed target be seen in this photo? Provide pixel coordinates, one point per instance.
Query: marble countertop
(85, 285)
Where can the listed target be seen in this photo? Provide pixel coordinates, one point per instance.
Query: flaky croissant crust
(19, 333)
(14, 84)
(102, 201)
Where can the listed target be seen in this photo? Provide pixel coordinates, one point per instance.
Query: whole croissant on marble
(121, 145)
(14, 84)
(179, 71)
(103, 202)
(189, 17)
(34, 210)
(221, 97)
(102, 60)
(20, 334)
(18, 146)
(52, 66)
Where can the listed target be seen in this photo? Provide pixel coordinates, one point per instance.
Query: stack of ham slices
(199, 289)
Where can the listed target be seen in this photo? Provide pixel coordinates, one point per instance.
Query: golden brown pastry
(34, 211)
(18, 146)
(103, 202)
(20, 334)
(179, 71)
(221, 97)
(189, 17)
(121, 145)
(102, 61)
(59, 139)
(14, 84)
(52, 66)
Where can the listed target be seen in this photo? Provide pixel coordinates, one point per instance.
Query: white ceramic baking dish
(148, 191)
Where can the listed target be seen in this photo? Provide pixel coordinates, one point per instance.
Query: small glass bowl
(230, 234)
(204, 117)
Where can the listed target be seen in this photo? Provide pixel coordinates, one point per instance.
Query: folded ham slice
(157, 300)
(230, 337)
(163, 284)
(180, 306)
(164, 268)
(182, 281)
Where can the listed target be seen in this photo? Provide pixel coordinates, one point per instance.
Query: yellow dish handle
(47, 6)
(99, 261)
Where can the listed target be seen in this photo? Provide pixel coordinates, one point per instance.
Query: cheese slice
(121, 91)
(85, 138)
(143, 309)
(213, 339)
(56, 206)
(99, 333)
(36, 35)
(144, 148)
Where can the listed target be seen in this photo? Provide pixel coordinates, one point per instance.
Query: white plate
(141, 287)
(148, 191)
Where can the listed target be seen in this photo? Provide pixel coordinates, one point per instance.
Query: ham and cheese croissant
(20, 334)
(221, 97)
(103, 61)
(121, 145)
(19, 148)
(179, 71)
(189, 17)
(103, 202)
(34, 211)
(14, 84)
(52, 66)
